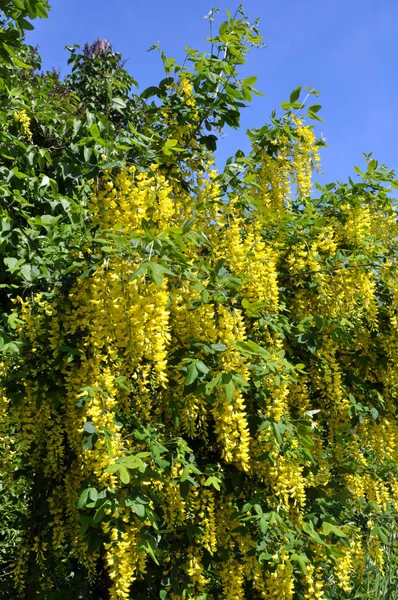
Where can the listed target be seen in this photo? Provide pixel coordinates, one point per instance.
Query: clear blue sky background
(347, 49)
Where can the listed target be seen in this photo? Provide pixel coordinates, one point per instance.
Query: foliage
(199, 372)
(14, 15)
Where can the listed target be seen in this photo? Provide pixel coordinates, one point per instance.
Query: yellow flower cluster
(376, 552)
(6, 440)
(330, 380)
(195, 570)
(248, 256)
(121, 203)
(291, 165)
(231, 425)
(231, 575)
(314, 583)
(288, 483)
(207, 516)
(187, 88)
(22, 117)
(280, 583)
(121, 559)
(305, 156)
(174, 504)
(343, 570)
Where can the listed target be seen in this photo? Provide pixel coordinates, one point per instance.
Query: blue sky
(347, 49)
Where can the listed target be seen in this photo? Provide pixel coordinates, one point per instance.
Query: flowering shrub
(199, 371)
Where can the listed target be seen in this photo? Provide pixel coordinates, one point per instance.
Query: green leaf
(150, 91)
(31, 9)
(264, 557)
(83, 498)
(138, 272)
(314, 116)
(249, 81)
(301, 560)
(10, 51)
(314, 108)
(113, 468)
(294, 96)
(118, 103)
(124, 475)
(109, 90)
(286, 105)
(192, 373)
(167, 81)
(148, 544)
(45, 181)
(121, 383)
(251, 348)
(12, 263)
(330, 528)
(229, 390)
(88, 442)
(112, 164)
(205, 296)
(93, 494)
(10, 348)
(89, 427)
(47, 220)
(185, 473)
(309, 529)
(202, 367)
(263, 524)
(95, 132)
(100, 513)
(374, 413)
(212, 77)
(378, 531)
(41, 10)
(132, 462)
(138, 508)
(214, 481)
(187, 226)
(171, 146)
(246, 93)
(84, 524)
(155, 273)
(12, 321)
(76, 125)
(219, 347)
(213, 383)
(210, 141)
(277, 432)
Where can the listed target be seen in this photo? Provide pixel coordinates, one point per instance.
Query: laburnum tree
(199, 366)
